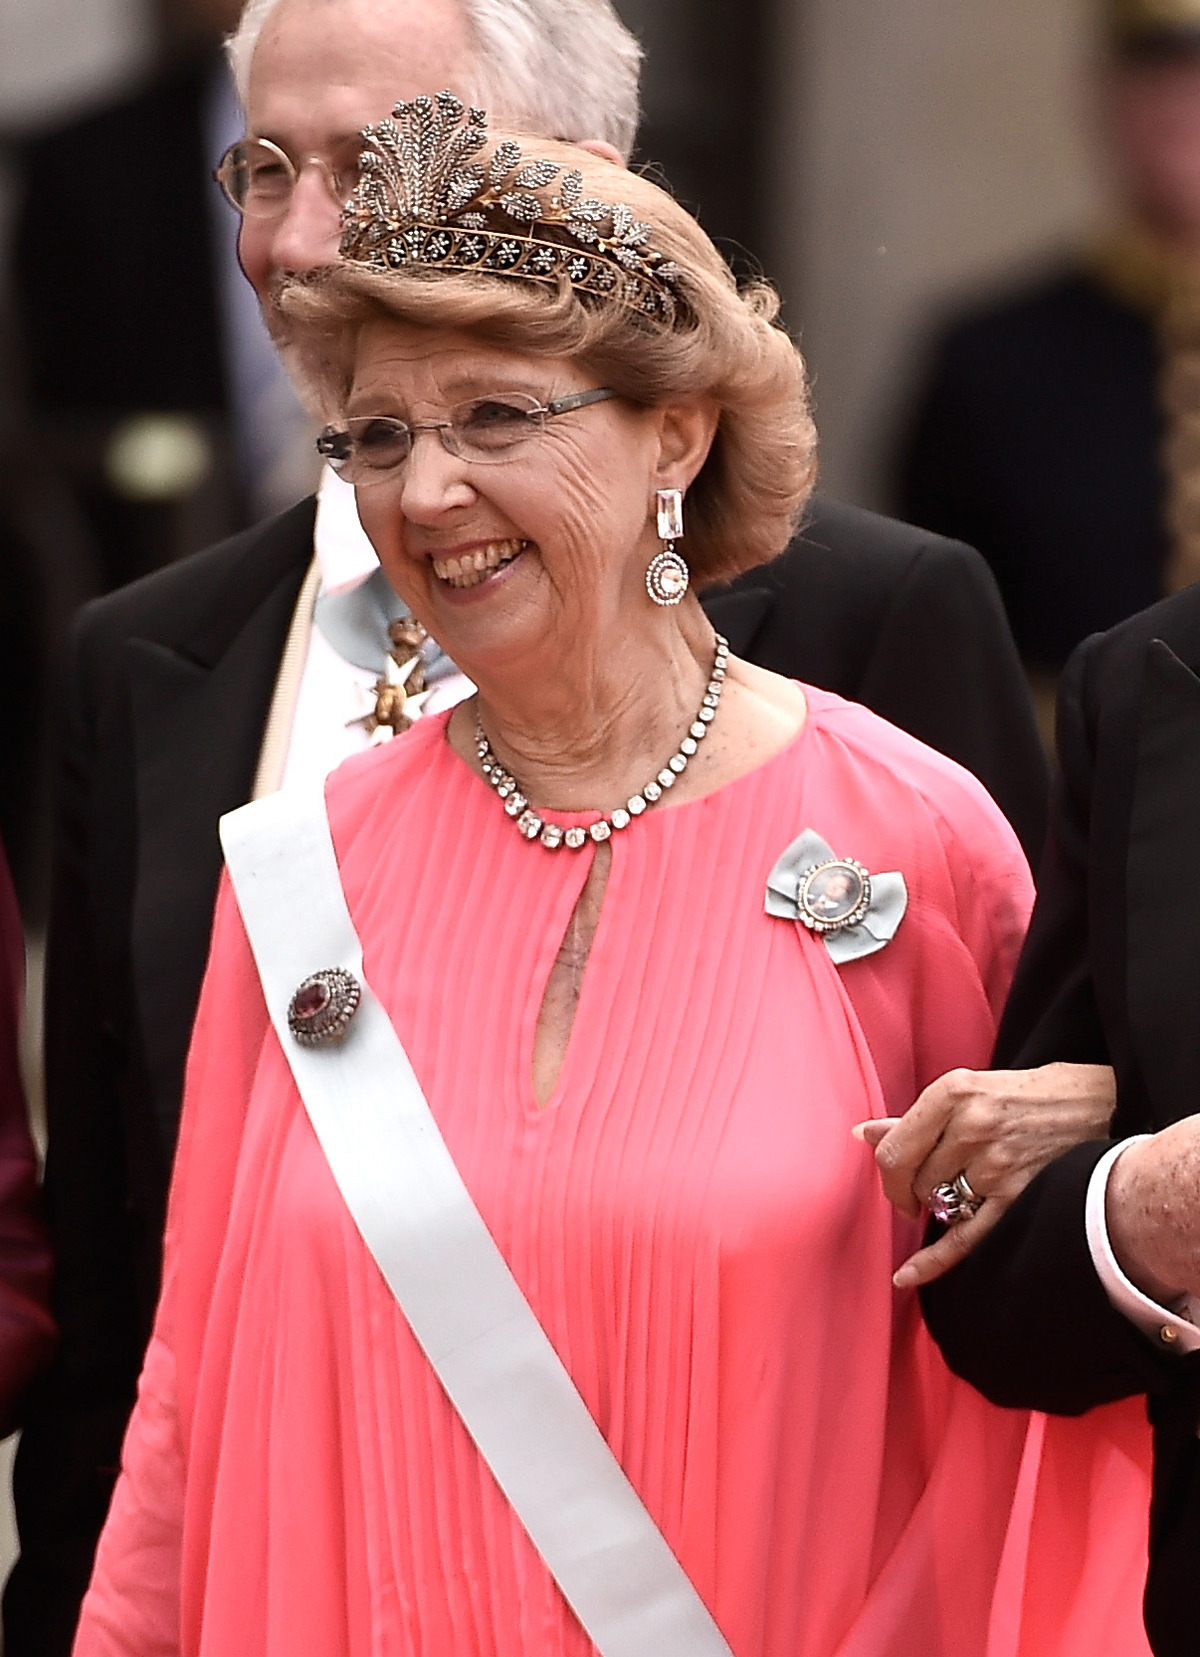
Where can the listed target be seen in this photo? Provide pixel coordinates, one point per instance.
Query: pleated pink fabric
(708, 1249)
(1075, 1566)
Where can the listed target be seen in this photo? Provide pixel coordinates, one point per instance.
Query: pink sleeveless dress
(708, 1249)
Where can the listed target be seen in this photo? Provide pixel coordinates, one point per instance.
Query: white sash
(417, 1218)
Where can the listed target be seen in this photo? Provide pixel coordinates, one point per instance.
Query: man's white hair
(558, 68)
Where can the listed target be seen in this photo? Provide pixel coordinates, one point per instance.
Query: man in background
(1058, 429)
(255, 665)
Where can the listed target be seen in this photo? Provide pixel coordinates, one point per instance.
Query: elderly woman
(632, 938)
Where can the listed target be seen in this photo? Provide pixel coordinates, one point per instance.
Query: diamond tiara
(422, 199)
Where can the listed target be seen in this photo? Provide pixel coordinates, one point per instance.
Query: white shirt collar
(344, 556)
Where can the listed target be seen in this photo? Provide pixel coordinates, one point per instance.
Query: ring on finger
(954, 1201)
(969, 1199)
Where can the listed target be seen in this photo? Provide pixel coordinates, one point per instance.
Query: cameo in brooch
(853, 911)
(833, 895)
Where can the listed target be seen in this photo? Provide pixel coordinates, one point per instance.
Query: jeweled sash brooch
(319, 1013)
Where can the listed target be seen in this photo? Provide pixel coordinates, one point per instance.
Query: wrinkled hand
(1152, 1207)
(999, 1128)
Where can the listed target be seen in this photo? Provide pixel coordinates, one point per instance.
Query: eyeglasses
(372, 448)
(259, 178)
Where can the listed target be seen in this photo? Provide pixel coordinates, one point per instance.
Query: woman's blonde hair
(725, 345)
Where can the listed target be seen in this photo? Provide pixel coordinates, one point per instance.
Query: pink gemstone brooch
(321, 1009)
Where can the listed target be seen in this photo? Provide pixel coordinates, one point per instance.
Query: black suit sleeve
(945, 668)
(68, 1457)
(1025, 1317)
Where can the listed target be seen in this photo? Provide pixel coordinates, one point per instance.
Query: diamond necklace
(551, 835)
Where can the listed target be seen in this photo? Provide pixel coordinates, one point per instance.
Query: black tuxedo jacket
(168, 694)
(1108, 975)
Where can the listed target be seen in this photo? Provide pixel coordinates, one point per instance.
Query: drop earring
(668, 575)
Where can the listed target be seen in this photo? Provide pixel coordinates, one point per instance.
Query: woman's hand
(998, 1128)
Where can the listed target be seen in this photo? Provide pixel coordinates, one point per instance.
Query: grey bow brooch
(854, 912)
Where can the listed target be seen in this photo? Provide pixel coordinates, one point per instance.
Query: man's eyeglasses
(259, 178)
(371, 448)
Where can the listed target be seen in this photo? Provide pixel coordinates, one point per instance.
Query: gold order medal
(834, 896)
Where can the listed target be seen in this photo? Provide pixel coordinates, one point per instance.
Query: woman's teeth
(470, 568)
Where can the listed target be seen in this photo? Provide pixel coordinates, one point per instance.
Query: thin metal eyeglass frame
(223, 173)
(557, 405)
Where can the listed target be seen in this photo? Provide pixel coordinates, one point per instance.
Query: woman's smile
(504, 552)
(473, 566)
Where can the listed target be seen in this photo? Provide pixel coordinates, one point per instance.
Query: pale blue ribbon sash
(355, 621)
(416, 1216)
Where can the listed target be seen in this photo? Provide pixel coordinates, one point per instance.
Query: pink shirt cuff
(1174, 1328)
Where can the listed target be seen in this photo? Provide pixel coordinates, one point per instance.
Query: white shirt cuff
(1174, 1328)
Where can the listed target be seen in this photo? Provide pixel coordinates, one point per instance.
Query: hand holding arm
(999, 1128)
